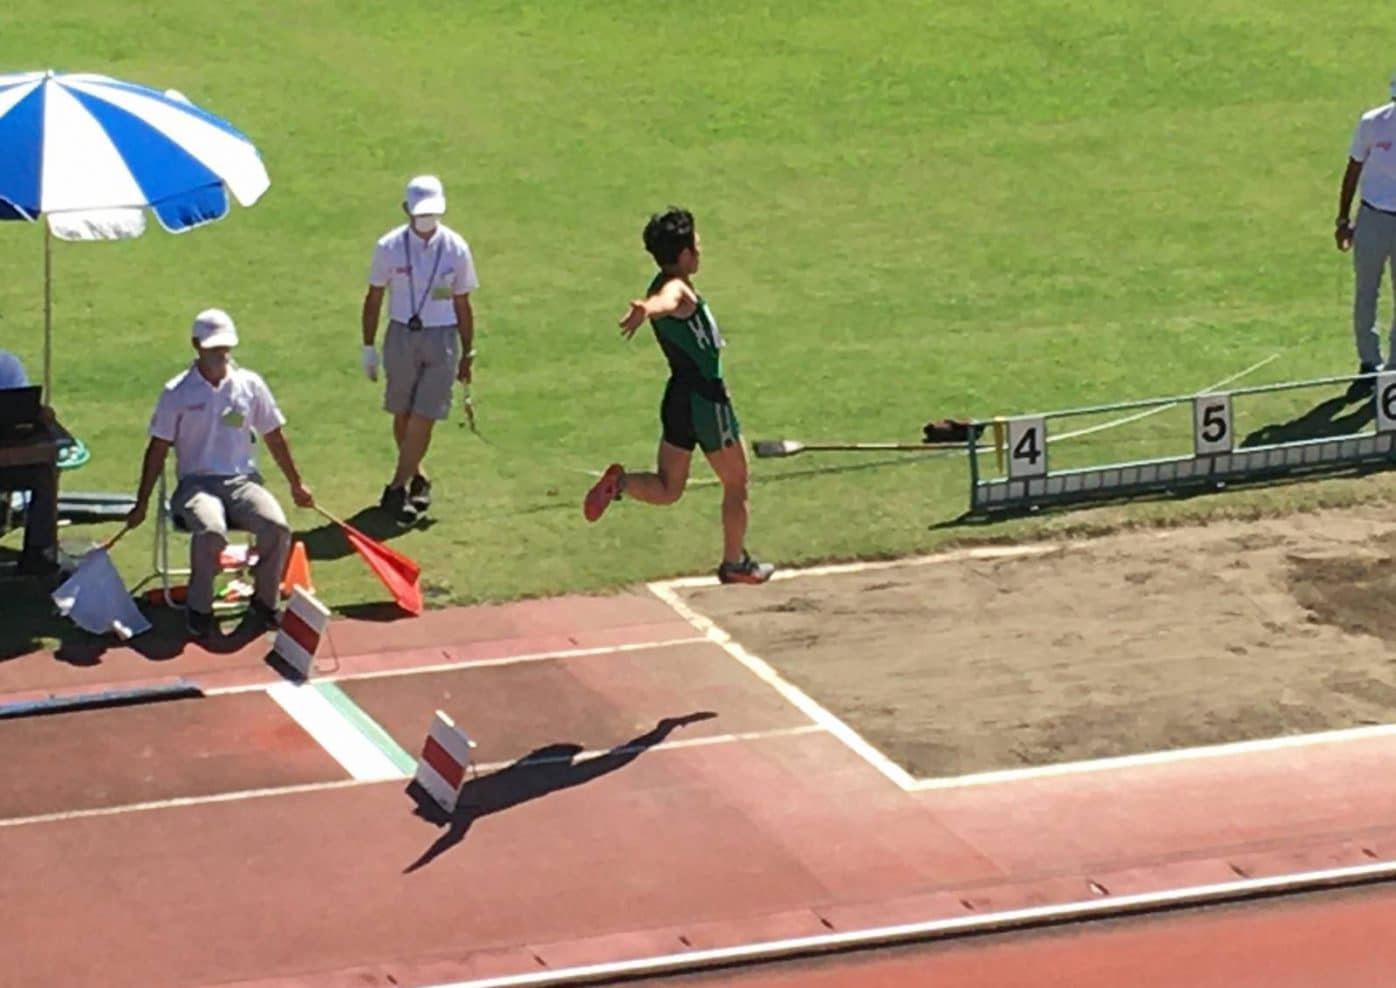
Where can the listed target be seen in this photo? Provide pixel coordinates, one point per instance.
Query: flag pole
(316, 507)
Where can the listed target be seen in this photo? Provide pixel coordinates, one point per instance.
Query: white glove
(370, 362)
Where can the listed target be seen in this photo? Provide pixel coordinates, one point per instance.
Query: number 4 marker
(1027, 448)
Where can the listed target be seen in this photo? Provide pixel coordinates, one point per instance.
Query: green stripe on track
(367, 726)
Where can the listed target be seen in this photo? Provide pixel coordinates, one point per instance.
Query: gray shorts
(420, 369)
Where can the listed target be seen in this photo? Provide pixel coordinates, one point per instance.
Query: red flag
(398, 573)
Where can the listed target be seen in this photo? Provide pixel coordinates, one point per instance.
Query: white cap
(213, 328)
(425, 196)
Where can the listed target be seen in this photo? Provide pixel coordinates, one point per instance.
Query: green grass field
(909, 210)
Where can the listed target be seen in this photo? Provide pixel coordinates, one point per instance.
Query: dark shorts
(688, 420)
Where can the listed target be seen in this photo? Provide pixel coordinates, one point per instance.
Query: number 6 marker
(1386, 401)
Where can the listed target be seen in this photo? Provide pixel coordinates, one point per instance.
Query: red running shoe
(602, 493)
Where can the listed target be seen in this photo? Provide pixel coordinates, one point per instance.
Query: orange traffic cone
(297, 571)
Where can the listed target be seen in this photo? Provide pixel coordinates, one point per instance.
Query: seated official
(209, 414)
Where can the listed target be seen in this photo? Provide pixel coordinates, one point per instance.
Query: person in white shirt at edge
(209, 414)
(429, 274)
(12, 371)
(1372, 159)
(41, 508)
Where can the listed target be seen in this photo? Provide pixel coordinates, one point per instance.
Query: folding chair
(237, 559)
(6, 512)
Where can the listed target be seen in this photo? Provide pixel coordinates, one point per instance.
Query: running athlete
(695, 410)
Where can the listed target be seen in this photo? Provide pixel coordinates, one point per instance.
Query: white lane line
(793, 694)
(232, 797)
(1156, 758)
(506, 660)
(836, 569)
(703, 742)
(168, 804)
(1011, 919)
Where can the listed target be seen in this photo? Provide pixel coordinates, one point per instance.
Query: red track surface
(748, 825)
(1299, 942)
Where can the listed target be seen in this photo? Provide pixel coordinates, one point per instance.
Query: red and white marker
(445, 756)
(303, 624)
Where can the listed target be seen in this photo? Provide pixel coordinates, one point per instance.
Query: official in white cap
(1372, 238)
(428, 273)
(210, 414)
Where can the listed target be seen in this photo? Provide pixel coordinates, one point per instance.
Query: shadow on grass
(382, 612)
(1323, 421)
(327, 541)
(30, 623)
(969, 521)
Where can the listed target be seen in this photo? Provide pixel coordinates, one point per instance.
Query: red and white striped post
(446, 754)
(303, 623)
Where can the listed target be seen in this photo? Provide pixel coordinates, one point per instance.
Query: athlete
(695, 410)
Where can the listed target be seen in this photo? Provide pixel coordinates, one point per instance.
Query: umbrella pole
(48, 308)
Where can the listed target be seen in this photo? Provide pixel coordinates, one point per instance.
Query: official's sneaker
(1361, 387)
(746, 571)
(603, 492)
(200, 625)
(394, 501)
(419, 493)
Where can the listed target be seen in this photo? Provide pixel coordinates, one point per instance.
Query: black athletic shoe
(200, 625)
(1361, 387)
(419, 493)
(394, 502)
(746, 571)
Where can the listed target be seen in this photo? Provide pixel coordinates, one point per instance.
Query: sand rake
(766, 448)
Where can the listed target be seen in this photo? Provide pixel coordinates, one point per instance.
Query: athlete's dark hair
(666, 234)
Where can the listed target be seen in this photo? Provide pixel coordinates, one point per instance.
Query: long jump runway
(647, 797)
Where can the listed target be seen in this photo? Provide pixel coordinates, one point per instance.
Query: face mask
(425, 224)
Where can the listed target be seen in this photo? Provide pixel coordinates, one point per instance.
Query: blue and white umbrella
(90, 154)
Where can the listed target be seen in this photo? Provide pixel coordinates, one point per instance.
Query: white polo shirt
(441, 268)
(212, 428)
(1374, 144)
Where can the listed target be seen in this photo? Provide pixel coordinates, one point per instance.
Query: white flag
(97, 601)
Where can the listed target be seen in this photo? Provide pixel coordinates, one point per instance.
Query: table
(30, 463)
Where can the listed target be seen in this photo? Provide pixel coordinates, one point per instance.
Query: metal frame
(162, 571)
(1370, 450)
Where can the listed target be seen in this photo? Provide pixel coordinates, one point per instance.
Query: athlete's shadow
(538, 773)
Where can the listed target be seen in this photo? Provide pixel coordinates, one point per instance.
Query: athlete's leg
(730, 465)
(666, 484)
(721, 438)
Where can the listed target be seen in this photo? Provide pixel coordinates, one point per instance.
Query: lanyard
(411, 288)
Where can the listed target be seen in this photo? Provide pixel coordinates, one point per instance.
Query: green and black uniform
(695, 410)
